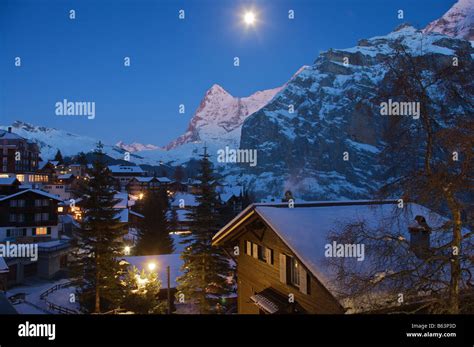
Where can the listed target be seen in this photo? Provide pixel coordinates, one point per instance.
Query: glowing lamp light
(126, 250)
(151, 266)
(140, 196)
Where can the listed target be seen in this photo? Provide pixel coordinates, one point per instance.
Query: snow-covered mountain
(457, 22)
(219, 117)
(50, 140)
(333, 114)
(135, 147)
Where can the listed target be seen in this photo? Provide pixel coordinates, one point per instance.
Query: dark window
(293, 271)
(261, 253)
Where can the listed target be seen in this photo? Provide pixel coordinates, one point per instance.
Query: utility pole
(169, 289)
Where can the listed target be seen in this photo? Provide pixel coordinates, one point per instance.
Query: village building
(138, 186)
(281, 266)
(20, 158)
(64, 186)
(30, 217)
(124, 173)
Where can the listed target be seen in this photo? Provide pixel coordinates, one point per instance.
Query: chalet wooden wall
(255, 275)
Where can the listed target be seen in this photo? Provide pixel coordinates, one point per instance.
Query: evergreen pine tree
(98, 242)
(206, 269)
(81, 158)
(178, 174)
(142, 291)
(59, 157)
(154, 229)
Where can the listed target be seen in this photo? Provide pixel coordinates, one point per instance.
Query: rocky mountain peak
(457, 22)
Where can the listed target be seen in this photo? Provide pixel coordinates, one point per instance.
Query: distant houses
(124, 173)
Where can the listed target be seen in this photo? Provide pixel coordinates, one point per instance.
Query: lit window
(60, 209)
(41, 231)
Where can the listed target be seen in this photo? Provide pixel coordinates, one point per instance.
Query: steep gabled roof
(8, 181)
(36, 191)
(305, 228)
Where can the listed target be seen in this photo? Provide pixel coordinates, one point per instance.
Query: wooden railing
(53, 306)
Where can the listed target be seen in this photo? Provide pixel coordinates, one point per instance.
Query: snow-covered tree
(206, 268)
(98, 242)
(141, 292)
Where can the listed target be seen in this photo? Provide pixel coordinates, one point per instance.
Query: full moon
(249, 18)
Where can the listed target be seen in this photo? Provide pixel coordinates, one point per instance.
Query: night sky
(173, 61)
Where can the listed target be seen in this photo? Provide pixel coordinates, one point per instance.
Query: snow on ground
(33, 288)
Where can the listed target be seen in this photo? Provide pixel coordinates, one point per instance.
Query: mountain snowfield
(299, 150)
(220, 115)
(457, 22)
(135, 147)
(303, 150)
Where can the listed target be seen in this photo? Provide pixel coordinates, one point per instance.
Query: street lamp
(151, 266)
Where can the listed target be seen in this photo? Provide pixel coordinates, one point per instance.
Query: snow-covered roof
(228, 192)
(122, 214)
(125, 169)
(123, 200)
(189, 199)
(164, 179)
(136, 214)
(306, 227)
(7, 181)
(36, 191)
(144, 179)
(7, 135)
(174, 261)
(53, 244)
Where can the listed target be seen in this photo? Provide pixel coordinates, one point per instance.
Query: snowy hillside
(457, 22)
(50, 140)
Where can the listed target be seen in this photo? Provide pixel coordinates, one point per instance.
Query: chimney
(420, 237)
(9, 129)
(288, 196)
